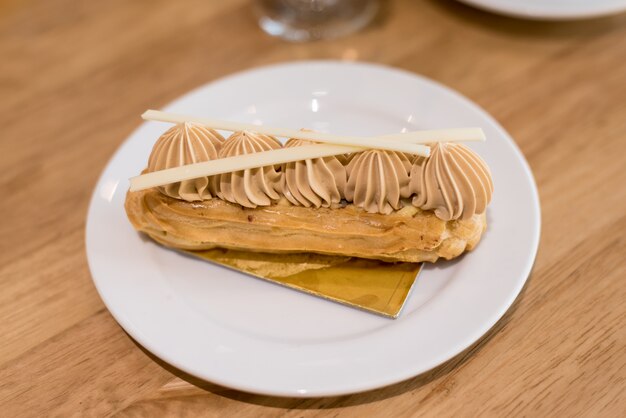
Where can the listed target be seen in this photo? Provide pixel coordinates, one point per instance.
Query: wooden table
(74, 78)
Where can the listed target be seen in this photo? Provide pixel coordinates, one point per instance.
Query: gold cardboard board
(371, 285)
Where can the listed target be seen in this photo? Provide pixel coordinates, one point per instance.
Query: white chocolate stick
(438, 135)
(415, 137)
(237, 163)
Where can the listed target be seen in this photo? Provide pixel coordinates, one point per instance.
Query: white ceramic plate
(552, 9)
(251, 335)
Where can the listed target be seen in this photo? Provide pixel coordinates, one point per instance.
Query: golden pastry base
(370, 285)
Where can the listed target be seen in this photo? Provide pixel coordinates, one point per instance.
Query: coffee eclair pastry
(373, 204)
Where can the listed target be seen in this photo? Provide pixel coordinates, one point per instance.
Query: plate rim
(541, 11)
(365, 386)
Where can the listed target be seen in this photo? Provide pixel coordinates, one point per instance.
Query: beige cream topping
(252, 187)
(318, 182)
(378, 180)
(186, 143)
(454, 182)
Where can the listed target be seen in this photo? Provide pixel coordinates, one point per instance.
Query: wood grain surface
(76, 75)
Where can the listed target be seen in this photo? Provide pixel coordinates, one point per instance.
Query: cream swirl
(252, 187)
(377, 180)
(183, 144)
(345, 158)
(454, 182)
(318, 182)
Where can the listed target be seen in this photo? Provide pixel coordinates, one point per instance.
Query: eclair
(372, 204)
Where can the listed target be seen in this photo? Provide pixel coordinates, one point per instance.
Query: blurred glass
(305, 20)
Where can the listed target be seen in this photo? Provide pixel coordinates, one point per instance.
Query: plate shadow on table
(526, 28)
(198, 388)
